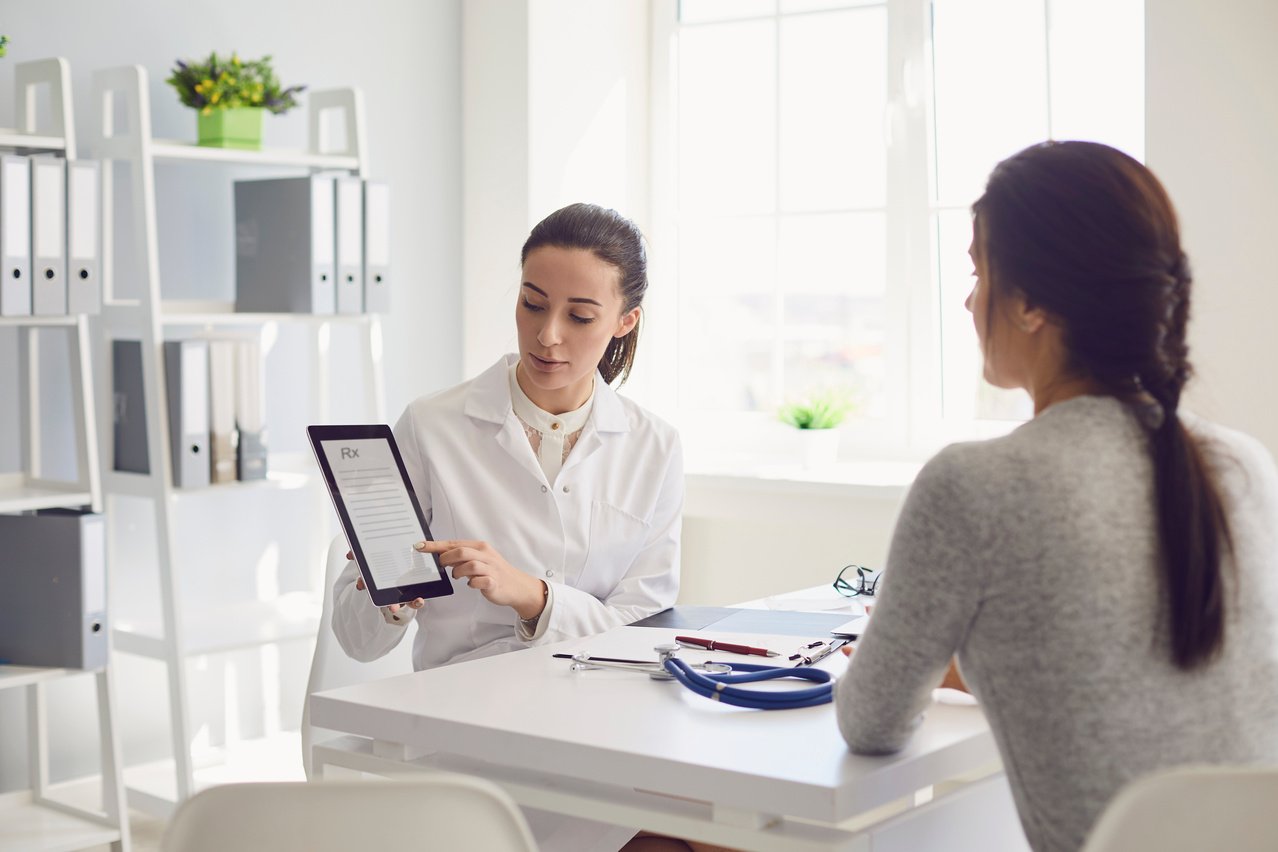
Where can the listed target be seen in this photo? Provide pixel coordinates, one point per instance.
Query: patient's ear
(1027, 317)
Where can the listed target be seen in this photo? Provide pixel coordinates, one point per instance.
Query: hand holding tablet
(379, 512)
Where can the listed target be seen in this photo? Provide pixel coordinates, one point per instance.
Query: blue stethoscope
(718, 681)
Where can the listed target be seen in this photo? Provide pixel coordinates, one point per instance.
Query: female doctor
(557, 501)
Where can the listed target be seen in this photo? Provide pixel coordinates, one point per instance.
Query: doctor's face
(569, 309)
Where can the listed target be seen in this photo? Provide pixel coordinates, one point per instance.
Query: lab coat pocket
(616, 537)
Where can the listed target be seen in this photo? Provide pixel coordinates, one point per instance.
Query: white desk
(591, 743)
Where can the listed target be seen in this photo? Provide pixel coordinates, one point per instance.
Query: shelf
(190, 313)
(177, 149)
(29, 322)
(18, 494)
(10, 138)
(152, 787)
(275, 480)
(27, 675)
(26, 826)
(293, 616)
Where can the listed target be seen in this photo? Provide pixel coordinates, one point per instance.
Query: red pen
(715, 645)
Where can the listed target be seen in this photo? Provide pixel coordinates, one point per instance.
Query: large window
(824, 157)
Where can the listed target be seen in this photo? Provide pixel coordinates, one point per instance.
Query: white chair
(331, 668)
(429, 812)
(1192, 808)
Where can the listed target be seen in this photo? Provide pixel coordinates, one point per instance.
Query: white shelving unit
(37, 819)
(183, 629)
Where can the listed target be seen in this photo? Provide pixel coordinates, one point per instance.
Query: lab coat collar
(489, 399)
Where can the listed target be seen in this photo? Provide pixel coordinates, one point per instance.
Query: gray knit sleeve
(930, 593)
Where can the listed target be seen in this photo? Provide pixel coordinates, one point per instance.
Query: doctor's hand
(487, 571)
(416, 603)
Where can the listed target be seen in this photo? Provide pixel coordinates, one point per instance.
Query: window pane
(990, 77)
(834, 316)
(727, 117)
(727, 313)
(833, 98)
(696, 11)
(788, 6)
(1098, 72)
(966, 395)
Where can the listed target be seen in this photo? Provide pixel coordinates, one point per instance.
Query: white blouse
(552, 436)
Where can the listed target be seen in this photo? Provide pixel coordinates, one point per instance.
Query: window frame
(915, 424)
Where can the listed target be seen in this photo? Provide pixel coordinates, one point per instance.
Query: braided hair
(1089, 235)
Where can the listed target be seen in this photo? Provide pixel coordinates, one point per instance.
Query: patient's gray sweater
(1034, 557)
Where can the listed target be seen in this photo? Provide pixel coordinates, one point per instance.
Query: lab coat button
(544, 489)
(550, 573)
(566, 489)
(554, 427)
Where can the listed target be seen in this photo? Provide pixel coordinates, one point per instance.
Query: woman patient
(1107, 574)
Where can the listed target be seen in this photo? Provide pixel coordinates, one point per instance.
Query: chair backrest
(331, 668)
(426, 812)
(1192, 808)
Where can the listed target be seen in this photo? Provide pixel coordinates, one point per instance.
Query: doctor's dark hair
(615, 240)
(1089, 235)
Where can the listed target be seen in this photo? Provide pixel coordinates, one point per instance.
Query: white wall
(406, 58)
(555, 111)
(1211, 125)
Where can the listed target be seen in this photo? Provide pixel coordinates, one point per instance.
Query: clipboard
(380, 515)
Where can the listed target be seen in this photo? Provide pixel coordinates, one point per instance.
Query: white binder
(48, 236)
(350, 245)
(15, 236)
(84, 238)
(223, 438)
(186, 370)
(376, 247)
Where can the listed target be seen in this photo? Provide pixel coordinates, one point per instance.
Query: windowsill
(882, 479)
(776, 496)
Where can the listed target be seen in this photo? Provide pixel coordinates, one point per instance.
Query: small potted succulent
(817, 417)
(229, 96)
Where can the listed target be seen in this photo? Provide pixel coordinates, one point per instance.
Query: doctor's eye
(530, 306)
(582, 320)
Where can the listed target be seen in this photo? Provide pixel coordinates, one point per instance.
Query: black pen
(601, 659)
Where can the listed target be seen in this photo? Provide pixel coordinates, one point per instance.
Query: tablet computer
(380, 514)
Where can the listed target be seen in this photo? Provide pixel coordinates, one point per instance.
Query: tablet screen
(379, 513)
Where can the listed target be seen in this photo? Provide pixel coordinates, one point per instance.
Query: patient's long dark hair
(1089, 235)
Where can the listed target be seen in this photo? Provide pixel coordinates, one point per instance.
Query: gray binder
(48, 236)
(250, 411)
(350, 245)
(376, 247)
(284, 251)
(84, 238)
(186, 372)
(15, 236)
(53, 609)
(129, 407)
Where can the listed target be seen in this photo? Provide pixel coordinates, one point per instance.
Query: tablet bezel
(395, 594)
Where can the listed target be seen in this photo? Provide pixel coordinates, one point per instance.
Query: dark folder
(738, 620)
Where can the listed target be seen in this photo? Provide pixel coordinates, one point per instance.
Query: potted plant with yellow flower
(230, 96)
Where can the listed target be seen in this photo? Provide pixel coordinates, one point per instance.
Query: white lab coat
(605, 532)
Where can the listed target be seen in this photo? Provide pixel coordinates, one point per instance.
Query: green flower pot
(240, 127)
